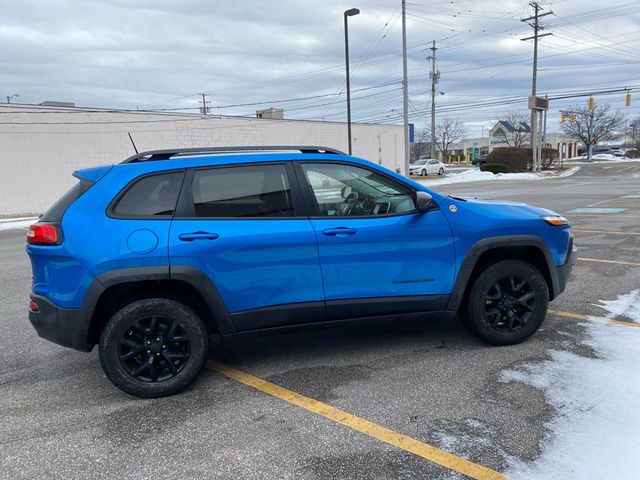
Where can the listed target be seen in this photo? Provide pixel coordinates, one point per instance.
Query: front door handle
(189, 237)
(339, 231)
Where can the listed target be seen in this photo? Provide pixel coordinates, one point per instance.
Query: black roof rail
(152, 155)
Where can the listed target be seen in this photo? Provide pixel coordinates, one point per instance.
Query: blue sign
(412, 133)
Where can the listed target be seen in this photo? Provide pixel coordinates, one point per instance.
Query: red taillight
(33, 306)
(43, 234)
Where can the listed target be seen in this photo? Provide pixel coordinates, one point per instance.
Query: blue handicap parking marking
(597, 210)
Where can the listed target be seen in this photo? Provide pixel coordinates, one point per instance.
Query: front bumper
(59, 325)
(563, 272)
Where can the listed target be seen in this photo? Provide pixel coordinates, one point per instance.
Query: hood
(503, 208)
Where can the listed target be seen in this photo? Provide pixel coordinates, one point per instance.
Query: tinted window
(251, 191)
(151, 196)
(346, 190)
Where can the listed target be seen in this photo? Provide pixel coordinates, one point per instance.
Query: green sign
(476, 152)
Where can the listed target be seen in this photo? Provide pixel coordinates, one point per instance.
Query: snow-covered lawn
(596, 428)
(11, 223)
(475, 175)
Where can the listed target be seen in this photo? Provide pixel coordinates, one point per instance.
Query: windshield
(420, 162)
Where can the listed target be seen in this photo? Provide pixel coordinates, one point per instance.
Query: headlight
(555, 220)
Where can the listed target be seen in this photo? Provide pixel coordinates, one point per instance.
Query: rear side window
(241, 192)
(150, 196)
(55, 213)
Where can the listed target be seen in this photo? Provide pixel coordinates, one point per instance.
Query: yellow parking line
(602, 260)
(604, 231)
(580, 316)
(386, 435)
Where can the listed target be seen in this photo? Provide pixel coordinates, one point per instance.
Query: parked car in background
(427, 166)
(617, 152)
(481, 160)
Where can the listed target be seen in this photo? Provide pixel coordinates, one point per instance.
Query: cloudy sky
(246, 55)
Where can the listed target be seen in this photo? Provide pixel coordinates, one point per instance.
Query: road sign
(538, 103)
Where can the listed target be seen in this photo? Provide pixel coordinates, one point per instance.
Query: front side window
(241, 192)
(151, 196)
(346, 190)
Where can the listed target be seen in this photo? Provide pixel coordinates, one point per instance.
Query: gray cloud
(162, 53)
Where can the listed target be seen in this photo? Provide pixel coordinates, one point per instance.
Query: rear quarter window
(153, 196)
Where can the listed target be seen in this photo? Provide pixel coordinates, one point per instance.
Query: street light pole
(348, 13)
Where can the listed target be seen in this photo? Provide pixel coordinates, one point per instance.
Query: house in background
(506, 134)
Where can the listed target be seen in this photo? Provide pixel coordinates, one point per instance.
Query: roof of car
(172, 154)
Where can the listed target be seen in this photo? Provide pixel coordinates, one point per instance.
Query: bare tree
(421, 145)
(633, 134)
(520, 135)
(448, 131)
(599, 124)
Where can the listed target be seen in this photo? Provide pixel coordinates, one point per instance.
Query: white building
(40, 146)
(469, 148)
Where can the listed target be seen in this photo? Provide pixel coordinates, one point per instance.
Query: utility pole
(204, 109)
(435, 76)
(405, 88)
(536, 153)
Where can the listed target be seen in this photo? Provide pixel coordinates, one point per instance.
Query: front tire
(153, 347)
(507, 302)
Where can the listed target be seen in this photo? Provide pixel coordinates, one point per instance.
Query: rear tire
(153, 347)
(423, 173)
(507, 302)
(441, 171)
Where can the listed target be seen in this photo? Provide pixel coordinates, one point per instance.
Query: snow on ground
(12, 223)
(601, 158)
(475, 175)
(627, 305)
(594, 433)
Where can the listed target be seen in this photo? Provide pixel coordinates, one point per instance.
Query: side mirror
(424, 201)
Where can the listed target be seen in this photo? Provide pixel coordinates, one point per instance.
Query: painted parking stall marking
(614, 262)
(384, 434)
(606, 232)
(590, 318)
(597, 210)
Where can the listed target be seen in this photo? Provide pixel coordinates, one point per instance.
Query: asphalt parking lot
(420, 401)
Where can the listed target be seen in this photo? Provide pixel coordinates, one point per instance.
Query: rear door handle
(189, 237)
(339, 231)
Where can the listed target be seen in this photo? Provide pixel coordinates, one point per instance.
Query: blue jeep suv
(162, 256)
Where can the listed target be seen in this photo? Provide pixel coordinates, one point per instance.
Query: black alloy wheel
(155, 349)
(507, 302)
